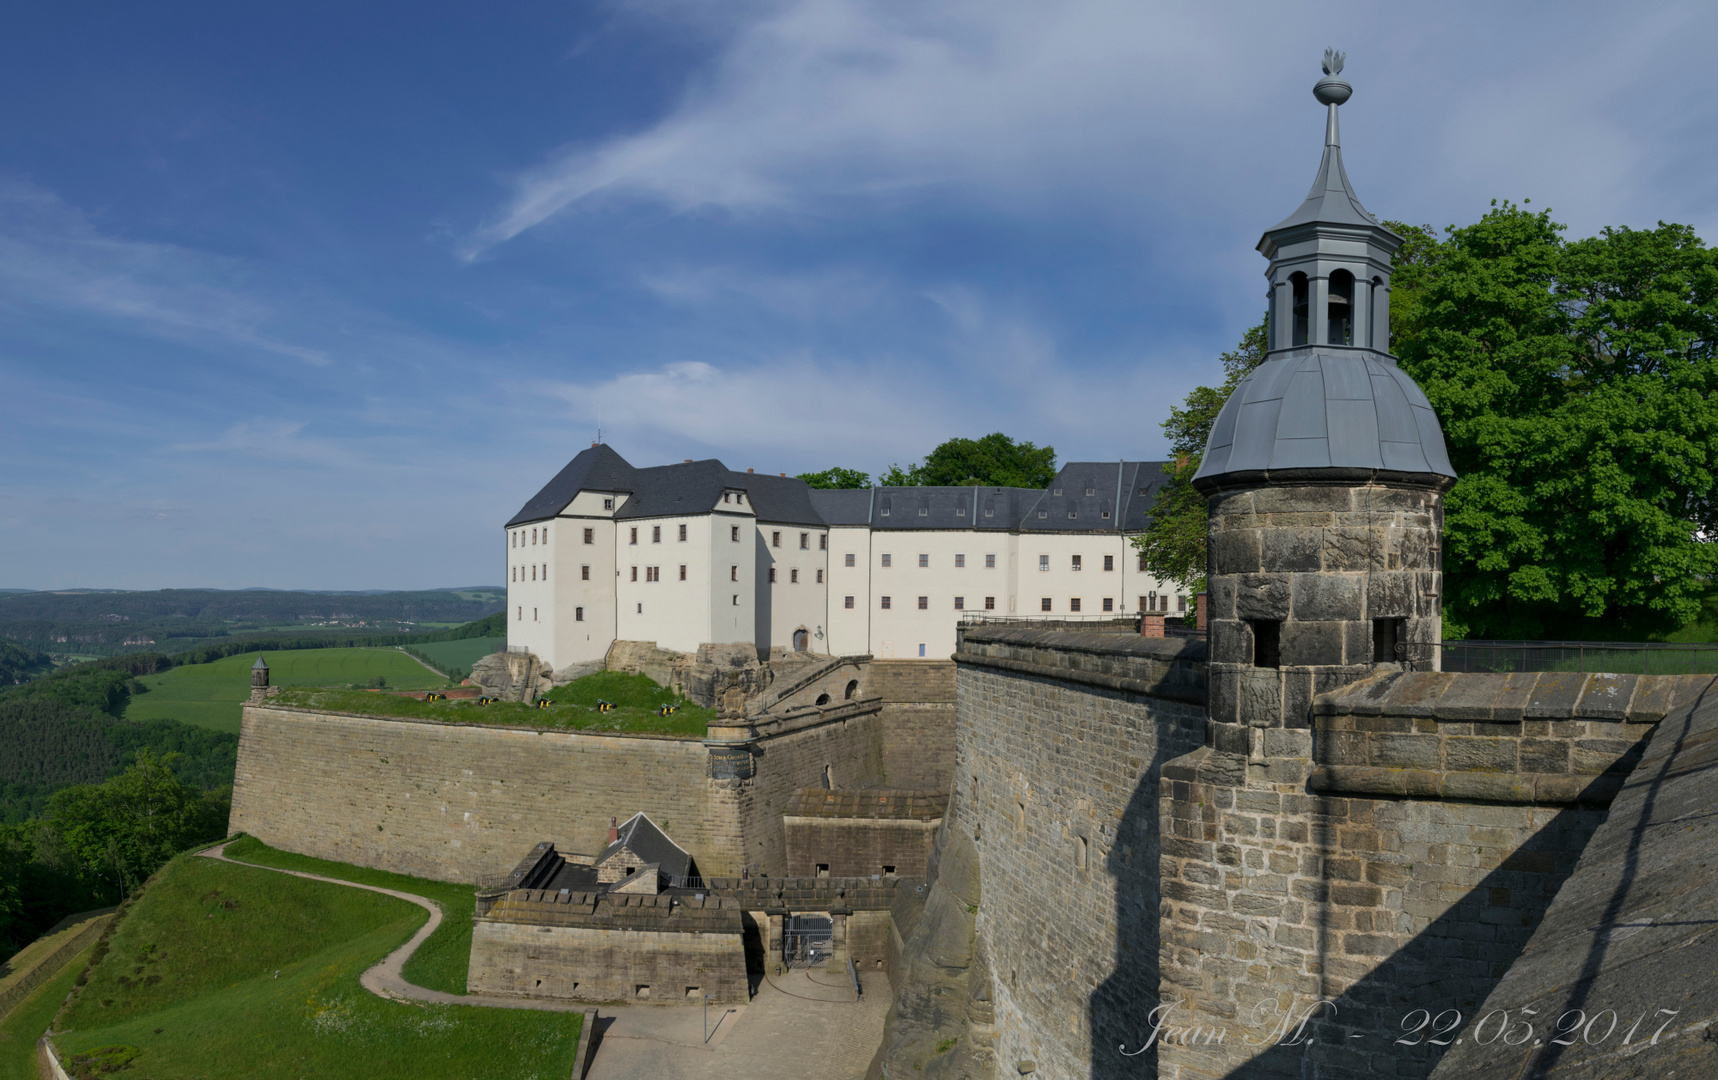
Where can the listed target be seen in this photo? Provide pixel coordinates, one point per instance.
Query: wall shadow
(1119, 1009)
(1450, 967)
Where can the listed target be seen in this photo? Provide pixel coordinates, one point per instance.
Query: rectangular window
(793, 577)
(1387, 644)
(849, 560)
(1109, 562)
(520, 615)
(1076, 562)
(545, 571)
(584, 573)
(959, 561)
(533, 571)
(820, 577)
(733, 573)
(734, 533)
(823, 541)
(682, 571)
(886, 560)
(533, 614)
(635, 534)
(635, 573)
(924, 603)
(772, 575)
(512, 539)
(924, 560)
(1142, 603)
(1181, 603)
(990, 562)
(1267, 643)
(885, 603)
(736, 599)
(533, 537)
(608, 504)
(921, 644)
(590, 536)
(1109, 603)
(656, 573)
(848, 603)
(1142, 562)
(805, 541)
(1044, 604)
(960, 603)
(775, 539)
(656, 534)
(990, 603)
(1043, 563)
(1074, 604)
(683, 533)
(578, 614)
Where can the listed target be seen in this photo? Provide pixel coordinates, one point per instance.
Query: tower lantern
(1324, 475)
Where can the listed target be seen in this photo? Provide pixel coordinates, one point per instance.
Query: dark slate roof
(1318, 409)
(900, 804)
(1331, 201)
(843, 506)
(690, 488)
(259, 665)
(595, 469)
(640, 835)
(695, 487)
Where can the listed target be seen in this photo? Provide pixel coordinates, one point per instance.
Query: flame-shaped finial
(1332, 89)
(1333, 62)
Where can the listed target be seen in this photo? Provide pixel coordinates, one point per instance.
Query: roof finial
(1332, 90)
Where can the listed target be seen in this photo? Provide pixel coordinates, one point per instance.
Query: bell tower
(1324, 476)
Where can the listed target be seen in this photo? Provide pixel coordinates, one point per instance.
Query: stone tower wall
(1324, 560)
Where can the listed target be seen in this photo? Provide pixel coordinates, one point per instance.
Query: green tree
(995, 460)
(1577, 384)
(1173, 542)
(125, 828)
(837, 477)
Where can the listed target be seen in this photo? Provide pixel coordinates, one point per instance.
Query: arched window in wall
(1302, 307)
(1378, 326)
(1341, 309)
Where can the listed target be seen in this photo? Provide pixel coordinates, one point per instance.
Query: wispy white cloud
(53, 256)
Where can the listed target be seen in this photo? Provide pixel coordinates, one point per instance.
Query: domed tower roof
(1329, 395)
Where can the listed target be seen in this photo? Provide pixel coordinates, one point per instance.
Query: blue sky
(316, 295)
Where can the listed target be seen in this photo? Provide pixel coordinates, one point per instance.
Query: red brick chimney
(613, 832)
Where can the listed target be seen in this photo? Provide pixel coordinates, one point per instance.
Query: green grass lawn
(226, 971)
(572, 707)
(30, 1018)
(442, 961)
(461, 654)
(211, 695)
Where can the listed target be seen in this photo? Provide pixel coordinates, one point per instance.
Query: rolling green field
(210, 695)
(461, 654)
(228, 971)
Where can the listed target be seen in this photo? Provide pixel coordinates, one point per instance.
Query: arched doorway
(801, 640)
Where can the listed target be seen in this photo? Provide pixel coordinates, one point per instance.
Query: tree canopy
(995, 460)
(1577, 383)
(837, 477)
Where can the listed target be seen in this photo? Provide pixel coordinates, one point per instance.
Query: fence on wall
(1612, 657)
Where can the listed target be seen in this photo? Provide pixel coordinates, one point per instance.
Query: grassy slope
(574, 707)
(30, 1018)
(463, 653)
(210, 695)
(442, 961)
(189, 981)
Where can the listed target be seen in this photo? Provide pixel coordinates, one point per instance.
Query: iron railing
(1108, 621)
(1612, 657)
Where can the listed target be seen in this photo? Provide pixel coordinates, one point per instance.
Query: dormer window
(1340, 309)
(608, 504)
(1302, 308)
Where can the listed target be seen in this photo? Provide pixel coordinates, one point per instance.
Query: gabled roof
(595, 469)
(690, 488)
(640, 835)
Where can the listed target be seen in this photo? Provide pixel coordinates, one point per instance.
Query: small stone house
(640, 858)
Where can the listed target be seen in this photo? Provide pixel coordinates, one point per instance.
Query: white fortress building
(693, 553)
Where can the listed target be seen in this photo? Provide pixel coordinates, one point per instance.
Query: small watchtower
(1324, 476)
(259, 679)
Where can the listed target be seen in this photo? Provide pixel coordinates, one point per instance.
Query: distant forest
(173, 620)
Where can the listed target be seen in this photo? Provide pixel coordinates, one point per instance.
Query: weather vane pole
(1332, 91)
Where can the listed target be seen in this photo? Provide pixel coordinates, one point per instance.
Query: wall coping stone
(1170, 668)
(1511, 697)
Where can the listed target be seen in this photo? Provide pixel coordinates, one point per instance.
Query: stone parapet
(1169, 668)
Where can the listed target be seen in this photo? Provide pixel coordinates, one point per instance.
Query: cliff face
(942, 1022)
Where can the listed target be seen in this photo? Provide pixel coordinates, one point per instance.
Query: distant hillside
(18, 664)
(172, 620)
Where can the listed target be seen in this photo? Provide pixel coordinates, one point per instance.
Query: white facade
(744, 558)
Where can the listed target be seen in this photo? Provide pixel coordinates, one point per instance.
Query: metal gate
(806, 939)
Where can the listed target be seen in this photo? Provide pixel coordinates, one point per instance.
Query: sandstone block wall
(858, 847)
(918, 721)
(607, 964)
(1061, 738)
(1323, 561)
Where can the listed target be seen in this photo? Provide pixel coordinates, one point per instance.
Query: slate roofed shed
(649, 844)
